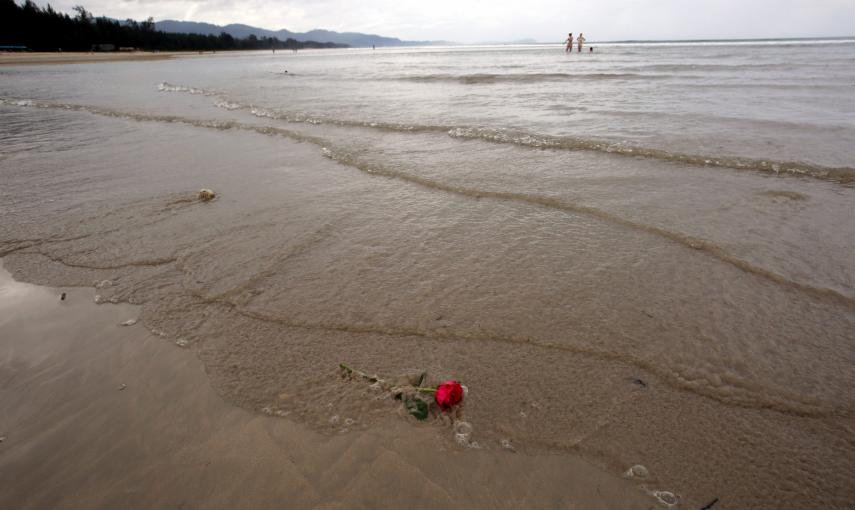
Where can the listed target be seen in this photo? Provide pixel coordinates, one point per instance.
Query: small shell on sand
(206, 195)
(666, 497)
(98, 299)
(637, 471)
(129, 322)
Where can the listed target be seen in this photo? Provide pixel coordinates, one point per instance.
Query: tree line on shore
(44, 29)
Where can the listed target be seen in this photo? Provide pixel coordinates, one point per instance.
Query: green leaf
(417, 407)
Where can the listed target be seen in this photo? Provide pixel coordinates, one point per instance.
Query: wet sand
(98, 415)
(80, 57)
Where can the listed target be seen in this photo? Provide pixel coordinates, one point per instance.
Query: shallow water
(96, 414)
(549, 228)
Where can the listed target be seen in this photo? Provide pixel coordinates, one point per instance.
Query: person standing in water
(569, 41)
(580, 40)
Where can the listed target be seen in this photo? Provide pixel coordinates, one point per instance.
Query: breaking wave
(487, 78)
(841, 175)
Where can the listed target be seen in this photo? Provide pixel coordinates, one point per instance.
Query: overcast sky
(500, 20)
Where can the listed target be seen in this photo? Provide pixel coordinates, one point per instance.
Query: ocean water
(643, 255)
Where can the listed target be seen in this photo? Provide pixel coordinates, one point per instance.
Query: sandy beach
(73, 57)
(100, 415)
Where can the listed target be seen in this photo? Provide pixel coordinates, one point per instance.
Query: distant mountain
(242, 31)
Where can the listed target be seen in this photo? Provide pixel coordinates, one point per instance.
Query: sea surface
(643, 254)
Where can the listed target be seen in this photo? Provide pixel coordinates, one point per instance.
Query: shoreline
(82, 57)
(99, 415)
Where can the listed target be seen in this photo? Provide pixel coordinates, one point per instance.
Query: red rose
(449, 394)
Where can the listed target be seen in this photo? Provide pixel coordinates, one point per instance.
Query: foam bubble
(168, 87)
